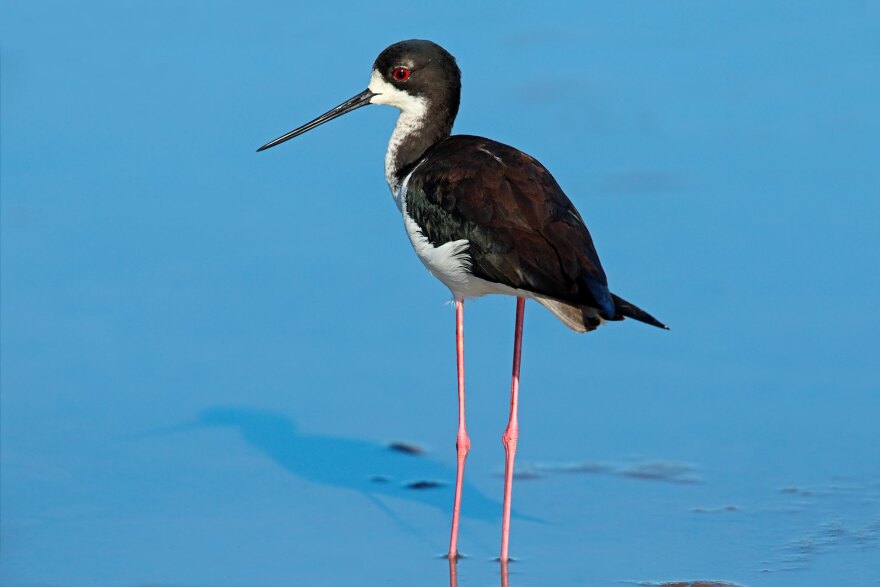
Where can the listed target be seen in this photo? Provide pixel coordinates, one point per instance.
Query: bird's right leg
(463, 443)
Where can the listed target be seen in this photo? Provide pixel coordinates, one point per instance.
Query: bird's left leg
(512, 432)
(462, 442)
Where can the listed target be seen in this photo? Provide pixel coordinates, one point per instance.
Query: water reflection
(453, 573)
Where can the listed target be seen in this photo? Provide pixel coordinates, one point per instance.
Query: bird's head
(413, 76)
(410, 75)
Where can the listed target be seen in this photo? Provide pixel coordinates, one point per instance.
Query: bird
(484, 218)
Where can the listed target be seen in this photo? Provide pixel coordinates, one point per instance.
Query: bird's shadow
(375, 470)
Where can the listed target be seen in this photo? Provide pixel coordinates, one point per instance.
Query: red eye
(401, 74)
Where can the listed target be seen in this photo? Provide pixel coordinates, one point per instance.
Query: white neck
(413, 110)
(407, 124)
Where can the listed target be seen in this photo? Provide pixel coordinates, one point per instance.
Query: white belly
(450, 263)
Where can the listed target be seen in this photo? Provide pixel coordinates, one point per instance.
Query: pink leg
(512, 432)
(463, 443)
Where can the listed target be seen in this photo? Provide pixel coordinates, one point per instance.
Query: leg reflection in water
(453, 573)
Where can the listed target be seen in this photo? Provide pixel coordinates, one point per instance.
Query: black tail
(628, 310)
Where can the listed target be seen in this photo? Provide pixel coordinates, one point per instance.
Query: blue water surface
(207, 351)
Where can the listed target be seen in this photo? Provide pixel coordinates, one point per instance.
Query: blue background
(205, 350)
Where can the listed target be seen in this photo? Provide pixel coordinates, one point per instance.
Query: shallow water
(222, 368)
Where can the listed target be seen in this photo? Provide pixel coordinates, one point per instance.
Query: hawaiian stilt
(484, 218)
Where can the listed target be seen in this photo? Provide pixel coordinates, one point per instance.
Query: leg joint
(510, 436)
(463, 444)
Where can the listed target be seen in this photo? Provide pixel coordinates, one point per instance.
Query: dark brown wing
(523, 230)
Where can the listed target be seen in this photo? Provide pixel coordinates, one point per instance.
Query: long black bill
(361, 99)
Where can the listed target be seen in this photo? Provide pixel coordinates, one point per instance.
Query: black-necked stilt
(484, 218)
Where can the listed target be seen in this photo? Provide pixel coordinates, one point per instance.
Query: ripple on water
(690, 584)
(657, 470)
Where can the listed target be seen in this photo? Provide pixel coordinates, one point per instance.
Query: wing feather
(523, 230)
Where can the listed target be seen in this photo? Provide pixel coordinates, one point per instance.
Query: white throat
(411, 120)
